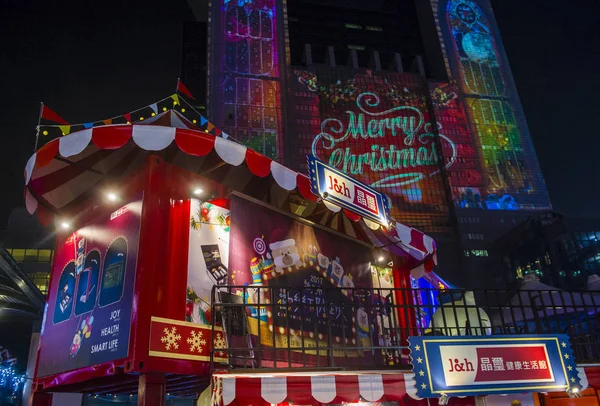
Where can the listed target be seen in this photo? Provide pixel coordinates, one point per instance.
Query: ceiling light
(112, 197)
(381, 259)
(198, 191)
(64, 225)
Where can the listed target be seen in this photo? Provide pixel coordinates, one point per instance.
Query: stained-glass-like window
(512, 179)
(246, 100)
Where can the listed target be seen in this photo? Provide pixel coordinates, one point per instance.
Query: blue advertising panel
(334, 186)
(91, 293)
(475, 365)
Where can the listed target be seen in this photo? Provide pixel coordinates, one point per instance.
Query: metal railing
(321, 328)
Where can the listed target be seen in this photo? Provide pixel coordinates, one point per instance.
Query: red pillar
(152, 389)
(41, 399)
(404, 302)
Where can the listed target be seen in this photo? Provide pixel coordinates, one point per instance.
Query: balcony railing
(316, 328)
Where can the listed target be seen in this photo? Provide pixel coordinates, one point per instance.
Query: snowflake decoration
(170, 338)
(196, 341)
(219, 343)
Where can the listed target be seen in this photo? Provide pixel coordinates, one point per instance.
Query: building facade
(414, 98)
(564, 253)
(31, 245)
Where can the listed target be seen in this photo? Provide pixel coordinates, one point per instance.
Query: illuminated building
(30, 245)
(412, 97)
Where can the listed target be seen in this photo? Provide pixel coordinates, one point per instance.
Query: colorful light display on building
(245, 73)
(377, 127)
(512, 177)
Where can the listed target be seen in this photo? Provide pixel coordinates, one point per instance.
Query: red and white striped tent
(64, 172)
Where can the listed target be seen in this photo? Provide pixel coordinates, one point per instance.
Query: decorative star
(421, 373)
(420, 360)
(569, 367)
(573, 380)
(417, 348)
(423, 386)
(564, 345)
(566, 356)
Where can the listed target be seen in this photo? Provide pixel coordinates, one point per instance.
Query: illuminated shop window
(373, 28)
(353, 26)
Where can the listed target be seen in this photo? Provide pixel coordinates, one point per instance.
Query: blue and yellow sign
(475, 365)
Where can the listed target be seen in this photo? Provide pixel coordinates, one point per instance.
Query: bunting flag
(181, 88)
(172, 102)
(50, 115)
(66, 129)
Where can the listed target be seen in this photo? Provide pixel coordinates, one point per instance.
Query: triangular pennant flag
(217, 132)
(203, 120)
(88, 125)
(154, 108)
(181, 88)
(48, 114)
(66, 129)
(107, 121)
(127, 117)
(209, 127)
(224, 135)
(175, 98)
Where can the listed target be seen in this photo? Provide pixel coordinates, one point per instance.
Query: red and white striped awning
(311, 389)
(306, 390)
(66, 170)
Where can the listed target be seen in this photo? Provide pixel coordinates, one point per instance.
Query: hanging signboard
(334, 186)
(470, 366)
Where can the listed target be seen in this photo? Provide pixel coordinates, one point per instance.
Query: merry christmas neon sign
(398, 143)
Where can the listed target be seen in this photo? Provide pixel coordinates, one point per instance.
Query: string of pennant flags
(47, 132)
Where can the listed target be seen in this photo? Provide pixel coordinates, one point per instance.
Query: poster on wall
(90, 298)
(307, 270)
(208, 256)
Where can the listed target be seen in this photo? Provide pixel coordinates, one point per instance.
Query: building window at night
(40, 279)
(373, 28)
(357, 47)
(31, 255)
(353, 26)
(476, 253)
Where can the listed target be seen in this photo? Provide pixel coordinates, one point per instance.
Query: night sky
(92, 60)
